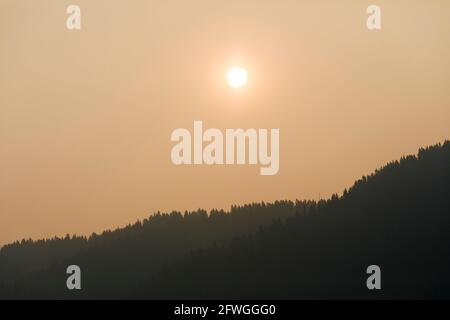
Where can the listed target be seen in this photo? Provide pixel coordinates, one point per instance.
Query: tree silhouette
(397, 218)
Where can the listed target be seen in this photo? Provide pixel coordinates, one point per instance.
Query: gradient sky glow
(86, 116)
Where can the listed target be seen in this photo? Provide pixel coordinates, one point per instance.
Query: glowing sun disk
(237, 77)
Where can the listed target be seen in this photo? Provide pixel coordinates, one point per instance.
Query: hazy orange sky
(86, 116)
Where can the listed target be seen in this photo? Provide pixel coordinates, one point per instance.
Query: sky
(86, 115)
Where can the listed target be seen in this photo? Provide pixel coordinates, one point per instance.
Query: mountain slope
(397, 218)
(116, 261)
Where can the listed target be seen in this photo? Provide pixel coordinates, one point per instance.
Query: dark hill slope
(116, 261)
(397, 218)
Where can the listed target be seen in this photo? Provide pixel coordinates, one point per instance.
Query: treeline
(397, 218)
(116, 261)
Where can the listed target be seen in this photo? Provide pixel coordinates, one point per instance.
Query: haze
(86, 116)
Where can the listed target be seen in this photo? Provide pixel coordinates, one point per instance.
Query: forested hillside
(397, 218)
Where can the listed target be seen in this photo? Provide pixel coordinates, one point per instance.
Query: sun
(237, 77)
